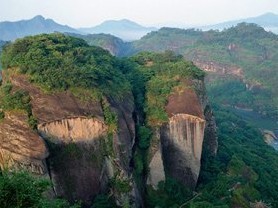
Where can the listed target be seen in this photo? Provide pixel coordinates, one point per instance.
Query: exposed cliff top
(185, 102)
(58, 105)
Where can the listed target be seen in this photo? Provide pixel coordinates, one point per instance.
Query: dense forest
(243, 174)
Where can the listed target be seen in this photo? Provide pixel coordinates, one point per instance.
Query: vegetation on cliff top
(156, 76)
(59, 62)
(16, 100)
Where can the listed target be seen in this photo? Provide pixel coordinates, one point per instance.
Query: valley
(265, 124)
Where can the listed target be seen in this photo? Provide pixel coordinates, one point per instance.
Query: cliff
(178, 144)
(83, 155)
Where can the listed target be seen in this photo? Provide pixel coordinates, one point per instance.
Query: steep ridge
(113, 44)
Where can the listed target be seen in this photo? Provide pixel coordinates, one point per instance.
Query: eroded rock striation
(178, 144)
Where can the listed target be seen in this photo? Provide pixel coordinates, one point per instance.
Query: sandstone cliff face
(182, 140)
(178, 144)
(82, 157)
(21, 147)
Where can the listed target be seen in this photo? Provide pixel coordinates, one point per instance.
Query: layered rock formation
(21, 147)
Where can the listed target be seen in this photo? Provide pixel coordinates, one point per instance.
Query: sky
(87, 13)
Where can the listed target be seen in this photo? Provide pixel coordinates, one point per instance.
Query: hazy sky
(83, 13)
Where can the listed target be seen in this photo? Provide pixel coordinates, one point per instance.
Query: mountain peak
(122, 23)
(38, 17)
(36, 25)
(269, 14)
(124, 29)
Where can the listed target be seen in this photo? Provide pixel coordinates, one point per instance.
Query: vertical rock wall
(177, 147)
(182, 140)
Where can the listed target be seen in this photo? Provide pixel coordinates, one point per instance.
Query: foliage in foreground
(21, 190)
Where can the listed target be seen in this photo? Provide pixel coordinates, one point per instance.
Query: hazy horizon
(85, 13)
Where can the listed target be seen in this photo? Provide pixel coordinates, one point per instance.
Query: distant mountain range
(124, 29)
(37, 25)
(268, 21)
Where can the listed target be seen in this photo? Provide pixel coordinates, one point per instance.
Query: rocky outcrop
(220, 69)
(21, 147)
(269, 136)
(177, 146)
(84, 154)
(83, 157)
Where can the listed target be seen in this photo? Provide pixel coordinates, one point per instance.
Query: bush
(21, 190)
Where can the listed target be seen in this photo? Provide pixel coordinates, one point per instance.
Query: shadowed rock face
(182, 140)
(76, 157)
(21, 147)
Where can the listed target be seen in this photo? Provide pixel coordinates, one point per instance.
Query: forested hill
(59, 62)
(244, 57)
(113, 44)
